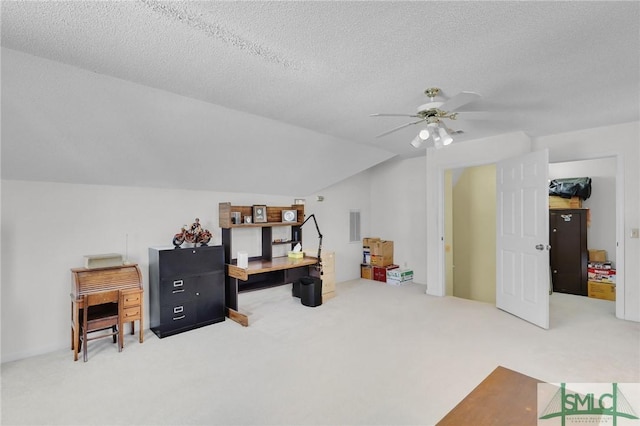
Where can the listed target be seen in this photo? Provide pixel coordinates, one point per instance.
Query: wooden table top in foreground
(504, 397)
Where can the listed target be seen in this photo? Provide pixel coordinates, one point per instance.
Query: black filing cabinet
(186, 288)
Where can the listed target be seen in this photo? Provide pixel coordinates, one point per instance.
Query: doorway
(471, 234)
(604, 218)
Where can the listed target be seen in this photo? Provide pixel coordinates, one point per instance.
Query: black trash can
(295, 290)
(311, 291)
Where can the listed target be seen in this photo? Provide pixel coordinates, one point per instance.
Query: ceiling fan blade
(399, 127)
(459, 100)
(393, 115)
(476, 115)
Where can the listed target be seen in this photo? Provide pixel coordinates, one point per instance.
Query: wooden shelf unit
(264, 270)
(274, 219)
(274, 216)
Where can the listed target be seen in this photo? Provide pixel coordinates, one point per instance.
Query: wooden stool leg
(84, 347)
(121, 335)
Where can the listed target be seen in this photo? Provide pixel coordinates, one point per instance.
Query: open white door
(522, 258)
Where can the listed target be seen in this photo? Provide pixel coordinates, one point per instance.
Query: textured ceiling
(541, 67)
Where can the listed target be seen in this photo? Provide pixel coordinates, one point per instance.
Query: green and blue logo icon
(589, 404)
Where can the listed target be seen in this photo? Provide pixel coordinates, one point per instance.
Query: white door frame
(620, 285)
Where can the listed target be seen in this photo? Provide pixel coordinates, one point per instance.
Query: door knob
(539, 246)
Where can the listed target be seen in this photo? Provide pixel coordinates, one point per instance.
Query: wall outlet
(635, 233)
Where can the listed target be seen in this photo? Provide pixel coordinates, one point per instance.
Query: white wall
(622, 142)
(601, 233)
(47, 228)
(333, 220)
(398, 207)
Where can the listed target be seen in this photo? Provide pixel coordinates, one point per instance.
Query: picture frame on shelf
(289, 216)
(259, 214)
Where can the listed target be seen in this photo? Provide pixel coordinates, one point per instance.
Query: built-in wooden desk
(263, 273)
(126, 278)
(504, 397)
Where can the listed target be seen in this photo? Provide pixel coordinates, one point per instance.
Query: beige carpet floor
(374, 355)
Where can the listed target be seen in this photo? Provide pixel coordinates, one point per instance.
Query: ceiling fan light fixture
(424, 134)
(445, 136)
(437, 141)
(417, 142)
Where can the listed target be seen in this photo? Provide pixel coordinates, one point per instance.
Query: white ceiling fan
(433, 113)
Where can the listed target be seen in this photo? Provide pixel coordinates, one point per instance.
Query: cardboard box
(556, 202)
(381, 253)
(366, 249)
(381, 260)
(399, 276)
(366, 272)
(597, 255)
(381, 248)
(601, 275)
(380, 272)
(366, 242)
(601, 290)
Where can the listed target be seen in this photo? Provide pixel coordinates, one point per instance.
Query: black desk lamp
(319, 236)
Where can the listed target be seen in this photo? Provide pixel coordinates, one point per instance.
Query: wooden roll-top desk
(126, 278)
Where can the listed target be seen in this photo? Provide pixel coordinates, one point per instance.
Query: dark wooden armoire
(569, 255)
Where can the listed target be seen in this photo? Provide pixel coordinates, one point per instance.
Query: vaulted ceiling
(275, 97)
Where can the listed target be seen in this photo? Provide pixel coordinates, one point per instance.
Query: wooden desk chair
(101, 312)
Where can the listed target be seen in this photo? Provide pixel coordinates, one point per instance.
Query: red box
(380, 272)
(602, 275)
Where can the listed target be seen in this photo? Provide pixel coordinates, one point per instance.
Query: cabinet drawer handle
(178, 283)
(178, 309)
(179, 318)
(180, 290)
